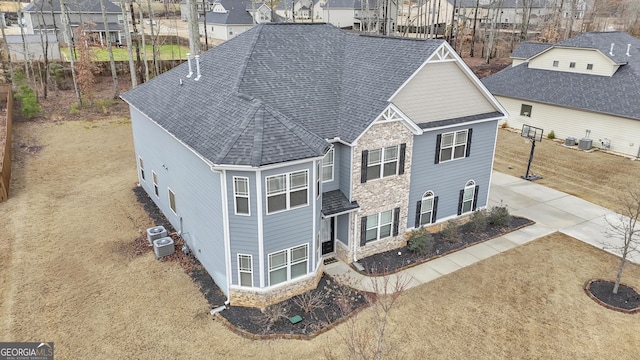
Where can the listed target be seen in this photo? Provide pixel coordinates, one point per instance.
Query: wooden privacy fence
(6, 106)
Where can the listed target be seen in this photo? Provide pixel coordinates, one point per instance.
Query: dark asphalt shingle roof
(74, 6)
(335, 202)
(617, 95)
(527, 49)
(277, 91)
(236, 14)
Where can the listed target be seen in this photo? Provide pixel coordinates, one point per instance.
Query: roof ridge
(258, 137)
(295, 128)
(236, 86)
(241, 127)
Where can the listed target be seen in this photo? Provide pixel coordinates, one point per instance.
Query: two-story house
(229, 18)
(292, 142)
(584, 87)
(46, 16)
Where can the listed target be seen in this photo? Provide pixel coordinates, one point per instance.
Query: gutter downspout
(355, 227)
(227, 302)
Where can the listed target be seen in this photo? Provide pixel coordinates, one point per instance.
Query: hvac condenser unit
(155, 233)
(585, 144)
(163, 247)
(570, 141)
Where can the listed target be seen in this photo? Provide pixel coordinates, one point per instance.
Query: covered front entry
(327, 235)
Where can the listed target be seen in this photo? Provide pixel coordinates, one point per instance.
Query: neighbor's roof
(31, 38)
(617, 95)
(236, 14)
(74, 6)
(276, 92)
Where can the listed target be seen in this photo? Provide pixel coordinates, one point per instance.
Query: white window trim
(287, 191)
(453, 145)
(154, 178)
(169, 192)
(526, 114)
(427, 195)
(379, 225)
(235, 195)
(288, 264)
(383, 162)
(471, 184)
(333, 161)
(141, 169)
(240, 271)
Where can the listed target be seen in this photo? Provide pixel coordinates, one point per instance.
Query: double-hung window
(155, 183)
(327, 166)
(241, 195)
(426, 208)
(141, 164)
(172, 201)
(379, 226)
(245, 270)
(287, 191)
(468, 197)
(288, 264)
(453, 145)
(382, 162)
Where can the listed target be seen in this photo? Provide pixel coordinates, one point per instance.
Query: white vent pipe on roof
(628, 49)
(611, 51)
(189, 61)
(197, 68)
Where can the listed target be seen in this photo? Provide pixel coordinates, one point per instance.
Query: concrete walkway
(552, 211)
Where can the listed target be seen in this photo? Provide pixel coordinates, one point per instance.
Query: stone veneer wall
(247, 297)
(382, 194)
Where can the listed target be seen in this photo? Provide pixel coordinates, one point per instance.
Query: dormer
(575, 60)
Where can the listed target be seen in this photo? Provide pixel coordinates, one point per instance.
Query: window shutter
(469, 133)
(438, 140)
(396, 220)
(363, 231)
(434, 212)
(403, 150)
(475, 197)
(363, 166)
(418, 209)
(460, 201)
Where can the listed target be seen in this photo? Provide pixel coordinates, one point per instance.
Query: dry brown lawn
(594, 176)
(65, 277)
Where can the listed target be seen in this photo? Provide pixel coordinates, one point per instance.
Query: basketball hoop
(534, 134)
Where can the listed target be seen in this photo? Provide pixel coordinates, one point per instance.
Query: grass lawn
(65, 277)
(167, 52)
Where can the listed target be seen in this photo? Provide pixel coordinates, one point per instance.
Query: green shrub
(451, 231)
(29, 106)
(479, 221)
(74, 109)
(499, 216)
(102, 105)
(551, 135)
(420, 241)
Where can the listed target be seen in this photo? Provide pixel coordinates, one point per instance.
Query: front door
(326, 236)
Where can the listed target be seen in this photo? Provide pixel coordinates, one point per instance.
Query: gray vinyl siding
(197, 192)
(446, 179)
(343, 169)
(289, 228)
(342, 228)
(440, 91)
(243, 230)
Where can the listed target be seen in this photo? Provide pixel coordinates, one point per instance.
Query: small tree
(624, 227)
(372, 340)
(85, 64)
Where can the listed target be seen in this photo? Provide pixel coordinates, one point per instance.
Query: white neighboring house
(35, 47)
(229, 18)
(586, 86)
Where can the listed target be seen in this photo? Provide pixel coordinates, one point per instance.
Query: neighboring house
(201, 8)
(312, 142)
(38, 17)
(587, 85)
(305, 10)
(229, 18)
(340, 13)
(35, 47)
(375, 16)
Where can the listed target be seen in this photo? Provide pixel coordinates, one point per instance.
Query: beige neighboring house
(585, 87)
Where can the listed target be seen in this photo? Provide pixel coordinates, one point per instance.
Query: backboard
(531, 132)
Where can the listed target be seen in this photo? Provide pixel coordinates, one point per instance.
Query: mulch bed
(627, 299)
(397, 259)
(335, 302)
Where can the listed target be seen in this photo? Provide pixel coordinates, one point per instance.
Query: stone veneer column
(383, 194)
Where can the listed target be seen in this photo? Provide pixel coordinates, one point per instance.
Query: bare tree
(86, 61)
(24, 43)
(127, 36)
(154, 38)
(112, 63)
(64, 13)
(372, 340)
(145, 60)
(625, 227)
(194, 33)
(6, 48)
